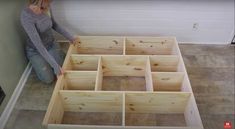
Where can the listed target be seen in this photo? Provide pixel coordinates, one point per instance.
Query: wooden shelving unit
(123, 82)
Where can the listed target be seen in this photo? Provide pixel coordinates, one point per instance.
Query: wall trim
(11, 103)
(206, 43)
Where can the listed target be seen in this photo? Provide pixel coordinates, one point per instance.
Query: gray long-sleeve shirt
(39, 30)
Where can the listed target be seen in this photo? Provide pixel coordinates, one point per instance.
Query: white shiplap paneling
(214, 18)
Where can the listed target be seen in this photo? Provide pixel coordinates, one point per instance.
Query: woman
(41, 49)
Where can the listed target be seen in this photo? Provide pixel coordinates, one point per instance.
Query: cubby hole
(80, 80)
(167, 81)
(90, 108)
(156, 109)
(123, 83)
(150, 46)
(123, 73)
(164, 63)
(102, 45)
(83, 63)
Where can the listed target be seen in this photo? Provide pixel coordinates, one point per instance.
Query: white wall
(214, 18)
(12, 57)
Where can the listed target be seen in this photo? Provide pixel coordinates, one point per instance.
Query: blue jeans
(42, 68)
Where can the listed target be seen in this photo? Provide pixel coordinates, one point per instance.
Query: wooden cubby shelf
(123, 82)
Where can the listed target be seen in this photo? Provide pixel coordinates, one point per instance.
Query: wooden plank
(55, 110)
(99, 77)
(167, 81)
(124, 65)
(63, 84)
(124, 46)
(123, 109)
(60, 126)
(192, 116)
(101, 45)
(86, 63)
(91, 101)
(164, 63)
(149, 46)
(67, 64)
(158, 102)
(148, 76)
(80, 80)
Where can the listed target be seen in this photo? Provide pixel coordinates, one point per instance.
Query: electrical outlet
(233, 40)
(2, 95)
(195, 26)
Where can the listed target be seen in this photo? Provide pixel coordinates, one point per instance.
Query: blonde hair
(43, 4)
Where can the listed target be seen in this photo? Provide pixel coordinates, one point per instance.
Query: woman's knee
(43, 70)
(46, 75)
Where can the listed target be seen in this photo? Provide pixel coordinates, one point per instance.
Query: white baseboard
(206, 43)
(11, 103)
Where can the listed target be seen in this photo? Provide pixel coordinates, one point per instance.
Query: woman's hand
(61, 72)
(76, 41)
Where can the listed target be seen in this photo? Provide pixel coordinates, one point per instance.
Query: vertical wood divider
(123, 109)
(99, 76)
(66, 64)
(148, 76)
(124, 46)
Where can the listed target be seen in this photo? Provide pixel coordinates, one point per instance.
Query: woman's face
(44, 4)
(40, 6)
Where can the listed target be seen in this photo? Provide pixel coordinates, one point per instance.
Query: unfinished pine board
(85, 63)
(167, 81)
(164, 63)
(149, 46)
(123, 82)
(100, 45)
(124, 65)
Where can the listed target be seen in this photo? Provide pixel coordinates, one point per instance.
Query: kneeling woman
(42, 51)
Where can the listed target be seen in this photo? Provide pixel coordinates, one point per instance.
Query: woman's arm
(31, 31)
(61, 30)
